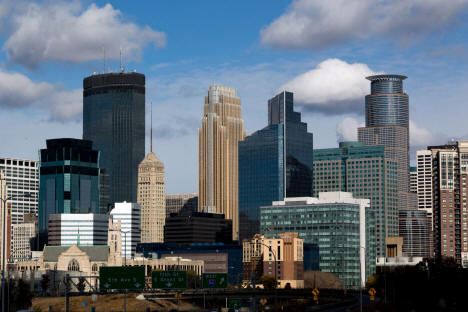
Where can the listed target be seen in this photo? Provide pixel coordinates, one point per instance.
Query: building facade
(184, 201)
(274, 162)
(222, 128)
(189, 227)
(366, 172)
(152, 199)
(82, 229)
(449, 187)
(424, 183)
(114, 120)
(387, 124)
(282, 257)
(5, 219)
(233, 252)
(69, 179)
(130, 226)
(21, 239)
(22, 177)
(341, 226)
(415, 228)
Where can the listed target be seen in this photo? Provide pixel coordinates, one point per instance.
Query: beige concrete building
(5, 225)
(152, 199)
(221, 130)
(21, 235)
(285, 259)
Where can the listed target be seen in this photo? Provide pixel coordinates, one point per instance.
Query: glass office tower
(68, 179)
(263, 175)
(342, 227)
(387, 124)
(367, 173)
(114, 119)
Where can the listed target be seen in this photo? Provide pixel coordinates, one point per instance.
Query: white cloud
(315, 24)
(17, 91)
(333, 87)
(63, 31)
(347, 129)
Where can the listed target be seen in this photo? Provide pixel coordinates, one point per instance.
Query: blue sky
(321, 50)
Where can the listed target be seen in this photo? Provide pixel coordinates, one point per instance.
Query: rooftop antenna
(104, 60)
(151, 131)
(121, 66)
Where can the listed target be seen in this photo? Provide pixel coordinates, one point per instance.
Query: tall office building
(413, 180)
(387, 124)
(183, 201)
(341, 226)
(114, 120)
(129, 216)
(69, 180)
(449, 183)
(366, 172)
(424, 183)
(264, 176)
(222, 128)
(152, 199)
(22, 177)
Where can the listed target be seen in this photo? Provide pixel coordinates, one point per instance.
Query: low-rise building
(281, 257)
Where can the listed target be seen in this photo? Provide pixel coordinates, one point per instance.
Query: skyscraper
(365, 172)
(22, 177)
(152, 199)
(222, 128)
(387, 124)
(263, 175)
(183, 201)
(114, 119)
(69, 179)
(449, 186)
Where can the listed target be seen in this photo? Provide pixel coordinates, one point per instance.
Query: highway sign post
(235, 303)
(169, 279)
(372, 293)
(118, 277)
(315, 292)
(214, 280)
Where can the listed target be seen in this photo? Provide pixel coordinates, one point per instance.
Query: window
(95, 267)
(74, 266)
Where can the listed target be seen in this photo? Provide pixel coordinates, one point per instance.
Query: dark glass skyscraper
(114, 119)
(387, 124)
(263, 175)
(68, 179)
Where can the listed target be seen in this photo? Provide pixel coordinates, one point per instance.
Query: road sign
(263, 301)
(315, 292)
(235, 303)
(119, 277)
(169, 279)
(371, 298)
(372, 292)
(214, 280)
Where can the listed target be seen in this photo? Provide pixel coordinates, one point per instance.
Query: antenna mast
(151, 131)
(121, 66)
(104, 60)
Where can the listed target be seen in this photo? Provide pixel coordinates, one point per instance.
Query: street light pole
(4, 233)
(360, 274)
(125, 264)
(276, 270)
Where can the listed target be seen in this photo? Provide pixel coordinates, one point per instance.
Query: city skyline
(257, 60)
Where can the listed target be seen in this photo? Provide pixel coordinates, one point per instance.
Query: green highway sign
(119, 277)
(214, 280)
(169, 279)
